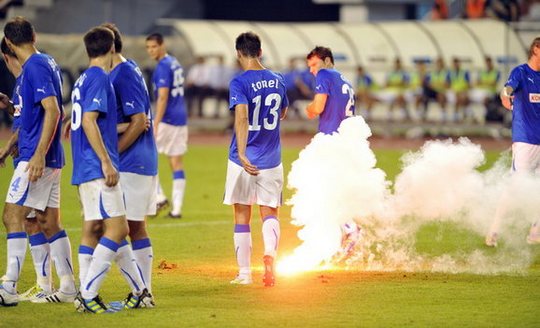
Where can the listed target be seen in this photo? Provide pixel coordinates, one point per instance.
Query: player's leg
(179, 185)
(533, 237)
(40, 251)
(242, 243)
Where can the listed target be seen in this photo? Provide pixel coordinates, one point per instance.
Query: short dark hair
(98, 41)
(117, 36)
(248, 44)
(6, 50)
(19, 31)
(158, 37)
(321, 52)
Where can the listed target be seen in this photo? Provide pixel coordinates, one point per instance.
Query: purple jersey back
(526, 113)
(40, 79)
(93, 92)
(263, 91)
(340, 102)
(170, 74)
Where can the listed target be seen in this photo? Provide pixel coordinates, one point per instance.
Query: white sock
(160, 196)
(40, 250)
(242, 247)
(61, 256)
(179, 185)
(144, 255)
(128, 268)
(271, 234)
(16, 252)
(104, 254)
(85, 258)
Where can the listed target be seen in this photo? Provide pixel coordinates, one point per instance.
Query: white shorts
(171, 140)
(243, 188)
(45, 192)
(100, 202)
(525, 157)
(139, 195)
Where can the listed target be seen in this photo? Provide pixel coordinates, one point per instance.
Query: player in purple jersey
(170, 122)
(94, 142)
(36, 180)
(39, 246)
(521, 95)
(333, 102)
(254, 173)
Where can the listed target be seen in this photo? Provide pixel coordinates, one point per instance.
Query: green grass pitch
(195, 291)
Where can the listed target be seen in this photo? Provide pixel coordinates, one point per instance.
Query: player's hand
(35, 168)
(66, 133)
(4, 101)
(507, 102)
(147, 124)
(110, 173)
(246, 164)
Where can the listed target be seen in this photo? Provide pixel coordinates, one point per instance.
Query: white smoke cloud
(335, 179)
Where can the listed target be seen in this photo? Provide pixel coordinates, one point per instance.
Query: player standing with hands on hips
(254, 172)
(521, 95)
(333, 103)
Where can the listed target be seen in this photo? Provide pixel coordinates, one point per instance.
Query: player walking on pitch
(94, 144)
(36, 180)
(254, 171)
(521, 95)
(170, 122)
(333, 102)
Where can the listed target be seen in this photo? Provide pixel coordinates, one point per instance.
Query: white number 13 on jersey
(268, 124)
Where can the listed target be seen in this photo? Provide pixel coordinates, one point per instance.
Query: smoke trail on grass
(335, 179)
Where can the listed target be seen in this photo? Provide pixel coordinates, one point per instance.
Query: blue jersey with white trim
(93, 92)
(132, 98)
(340, 101)
(40, 79)
(264, 92)
(526, 111)
(170, 74)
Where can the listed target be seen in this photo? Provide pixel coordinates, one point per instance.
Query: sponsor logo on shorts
(534, 98)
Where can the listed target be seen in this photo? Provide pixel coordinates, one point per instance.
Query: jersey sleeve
(162, 77)
(323, 83)
(236, 94)
(40, 76)
(515, 78)
(95, 99)
(131, 93)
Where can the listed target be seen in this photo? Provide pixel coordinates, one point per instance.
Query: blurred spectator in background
(458, 94)
(506, 10)
(414, 95)
(475, 9)
(219, 77)
(439, 10)
(305, 82)
(485, 88)
(197, 86)
(364, 92)
(435, 86)
(290, 75)
(397, 82)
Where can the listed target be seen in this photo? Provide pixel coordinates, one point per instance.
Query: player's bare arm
(161, 107)
(283, 113)
(507, 97)
(10, 148)
(36, 165)
(241, 129)
(6, 104)
(91, 129)
(136, 126)
(316, 107)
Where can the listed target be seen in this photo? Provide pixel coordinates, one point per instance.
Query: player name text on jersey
(264, 84)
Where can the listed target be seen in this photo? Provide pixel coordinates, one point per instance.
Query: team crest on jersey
(534, 98)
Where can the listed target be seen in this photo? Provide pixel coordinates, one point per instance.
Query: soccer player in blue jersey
(36, 180)
(94, 144)
(258, 98)
(39, 246)
(333, 103)
(138, 168)
(170, 121)
(521, 95)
